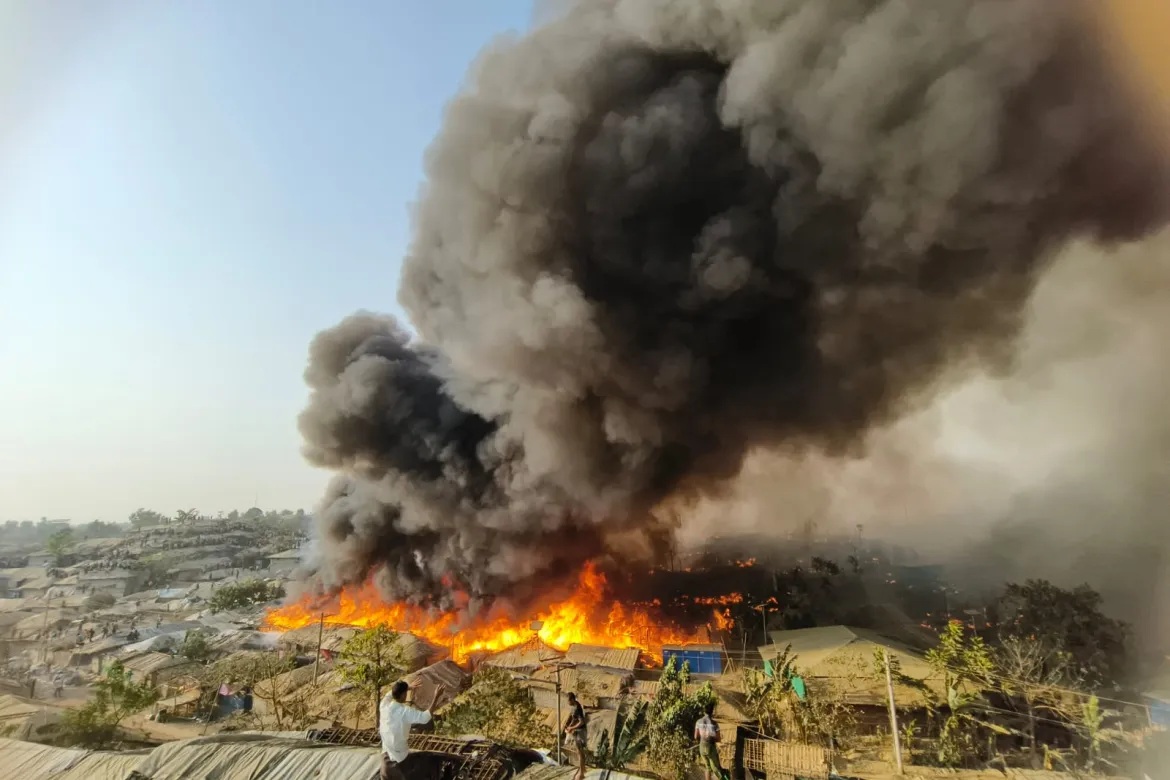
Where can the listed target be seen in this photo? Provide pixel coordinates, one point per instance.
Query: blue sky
(189, 190)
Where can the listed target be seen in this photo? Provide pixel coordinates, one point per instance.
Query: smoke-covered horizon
(657, 237)
(1057, 470)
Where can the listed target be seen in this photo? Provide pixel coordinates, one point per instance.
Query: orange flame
(584, 617)
(730, 598)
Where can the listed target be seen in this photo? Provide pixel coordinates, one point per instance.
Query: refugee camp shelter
(840, 661)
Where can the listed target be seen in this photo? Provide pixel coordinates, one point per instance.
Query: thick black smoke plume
(659, 234)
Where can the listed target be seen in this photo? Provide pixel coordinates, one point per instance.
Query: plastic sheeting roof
(12, 707)
(30, 761)
(256, 757)
(104, 766)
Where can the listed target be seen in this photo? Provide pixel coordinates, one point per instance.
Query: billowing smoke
(659, 235)
(1058, 470)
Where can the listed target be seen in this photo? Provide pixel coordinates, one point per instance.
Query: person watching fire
(395, 718)
(708, 736)
(576, 728)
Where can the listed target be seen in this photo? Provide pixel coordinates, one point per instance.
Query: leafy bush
(195, 647)
(116, 697)
(99, 601)
(673, 714)
(371, 660)
(245, 594)
(499, 708)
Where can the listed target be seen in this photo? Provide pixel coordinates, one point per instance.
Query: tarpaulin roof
(12, 707)
(446, 673)
(30, 761)
(104, 766)
(153, 662)
(842, 658)
(256, 757)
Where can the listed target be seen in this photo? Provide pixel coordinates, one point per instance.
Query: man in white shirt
(395, 718)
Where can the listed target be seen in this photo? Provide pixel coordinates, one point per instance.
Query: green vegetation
(99, 601)
(371, 660)
(245, 594)
(195, 647)
(1071, 620)
(59, 544)
(631, 736)
(500, 709)
(116, 697)
(673, 714)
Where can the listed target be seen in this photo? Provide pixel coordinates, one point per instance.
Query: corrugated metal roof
(523, 657)
(608, 657)
(589, 684)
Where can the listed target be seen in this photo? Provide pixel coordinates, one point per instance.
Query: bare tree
(1036, 678)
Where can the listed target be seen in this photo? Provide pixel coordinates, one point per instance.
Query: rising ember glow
(587, 616)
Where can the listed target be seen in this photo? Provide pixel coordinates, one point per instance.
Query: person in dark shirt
(576, 730)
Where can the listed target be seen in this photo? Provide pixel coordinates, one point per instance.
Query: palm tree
(631, 737)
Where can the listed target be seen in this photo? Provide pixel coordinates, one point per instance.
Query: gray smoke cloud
(657, 236)
(1059, 469)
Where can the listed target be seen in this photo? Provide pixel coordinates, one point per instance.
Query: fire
(585, 617)
(730, 598)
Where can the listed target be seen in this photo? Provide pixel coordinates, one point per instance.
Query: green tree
(372, 660)
(99, 601)
(767, 698)
(245, 594)
(187, 515)
(145, 517)
(195, 647)
(631, 735)
(966, 668)
(1069, 619)
(673, 714)
(59, 543)
(499, 708)
(115, 697)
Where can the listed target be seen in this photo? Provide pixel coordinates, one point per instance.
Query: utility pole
(893, 712)
(763, 608)
(317, 658)
(45, 626)
(559, 735)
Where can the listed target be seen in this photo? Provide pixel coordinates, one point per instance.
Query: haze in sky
(189, 191)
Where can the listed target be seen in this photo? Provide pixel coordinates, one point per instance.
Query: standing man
(395, 719)
(576, 730)
(707, 735)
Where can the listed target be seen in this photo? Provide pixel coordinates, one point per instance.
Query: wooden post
(317, 658)
(560, 726)
(893, 712)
